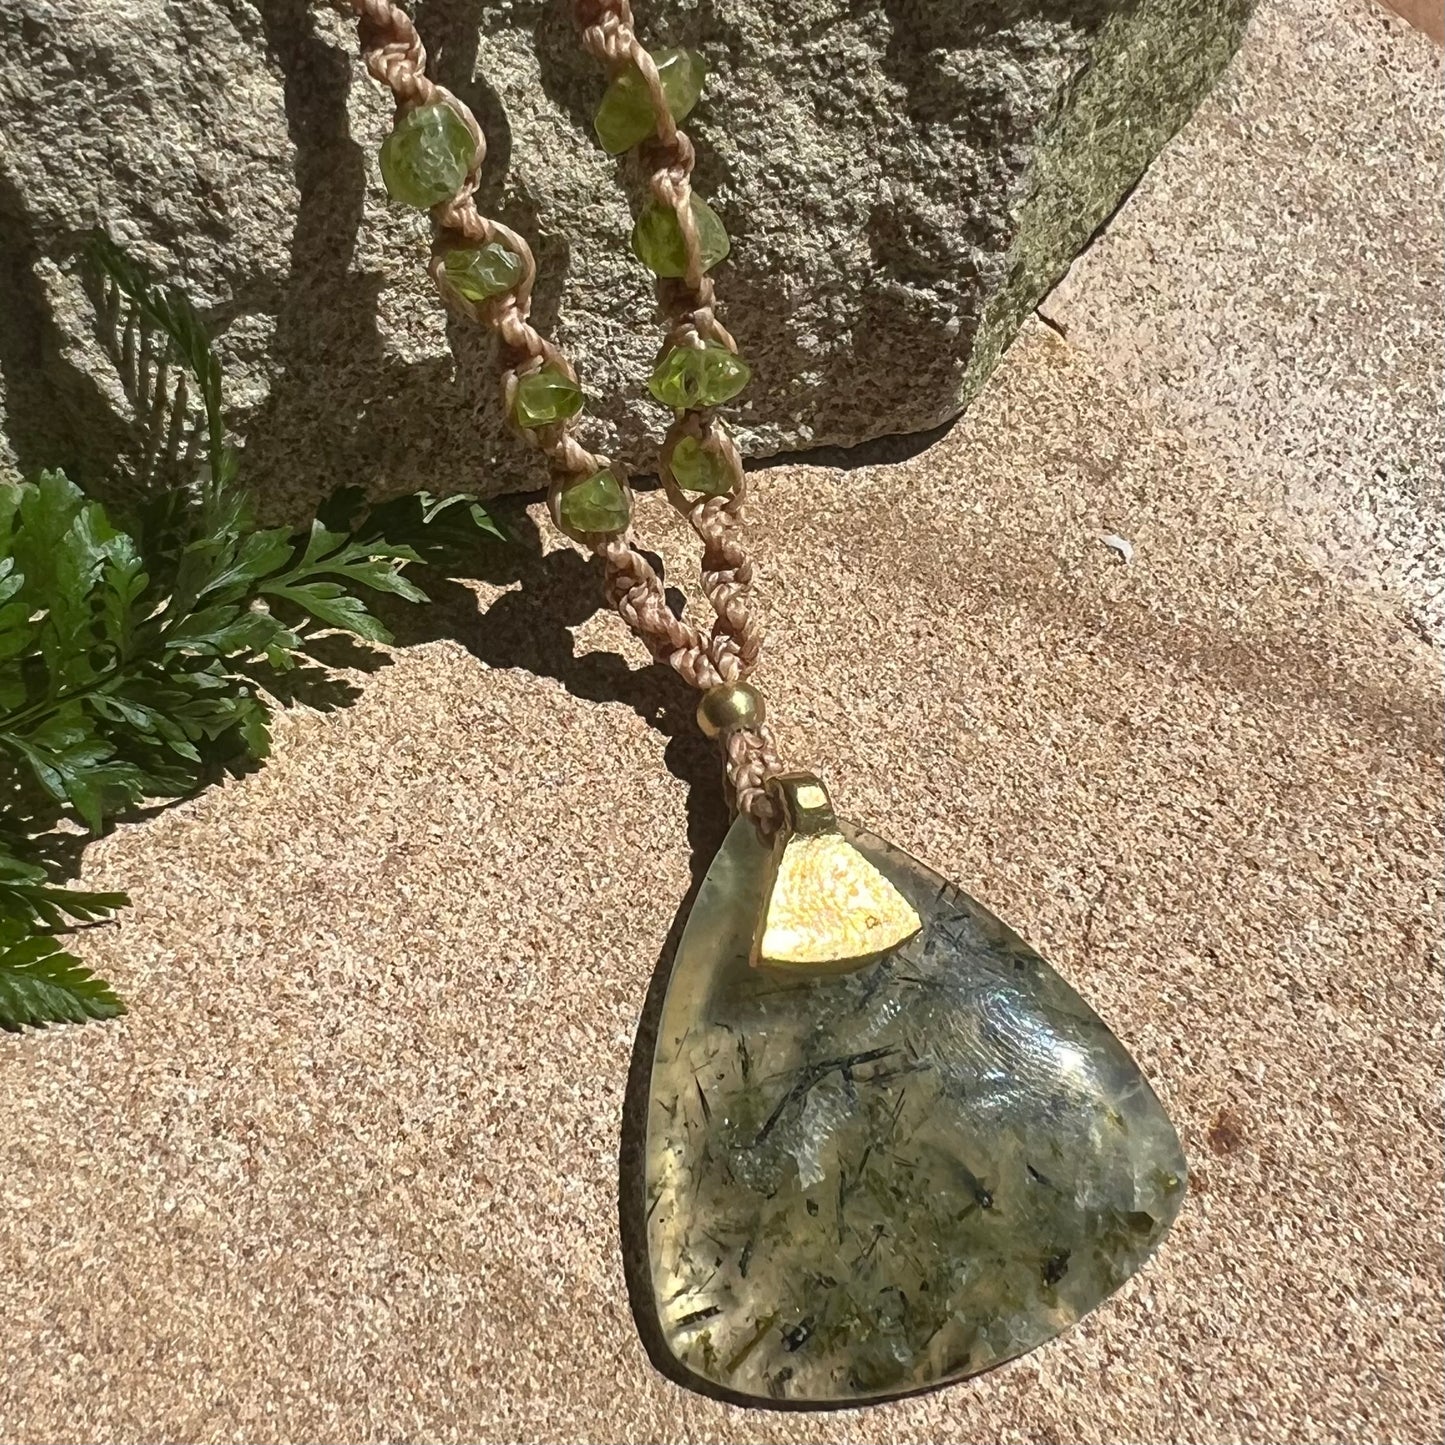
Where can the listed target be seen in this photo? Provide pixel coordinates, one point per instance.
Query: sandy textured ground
(1273, 287)
(348, 1171)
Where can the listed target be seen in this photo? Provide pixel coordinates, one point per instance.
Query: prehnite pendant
(862, 1183)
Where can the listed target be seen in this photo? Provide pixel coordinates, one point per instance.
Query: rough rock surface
(1294, 329)
(902, 179)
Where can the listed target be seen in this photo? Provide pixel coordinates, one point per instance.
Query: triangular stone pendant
(867, 1183)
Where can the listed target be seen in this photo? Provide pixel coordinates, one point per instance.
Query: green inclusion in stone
(546, 396)
(625, 115)
(696, 468)
(657, 239)
(482, 272)
(426, 156)
(597, 505)
(694, 376)
(862, 1185)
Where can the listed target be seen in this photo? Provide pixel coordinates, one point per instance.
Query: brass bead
(728, 707)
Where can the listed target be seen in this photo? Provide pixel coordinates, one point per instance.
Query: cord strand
(729, 650)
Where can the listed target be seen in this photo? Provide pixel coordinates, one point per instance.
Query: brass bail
(806, 806)
(826, 908)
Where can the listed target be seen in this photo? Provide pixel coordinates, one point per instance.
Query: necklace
(887, 1146)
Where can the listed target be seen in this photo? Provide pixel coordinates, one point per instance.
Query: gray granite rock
(902, 179)
(867, 1184)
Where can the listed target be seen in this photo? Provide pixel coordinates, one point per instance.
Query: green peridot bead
(626, 116)
(427, 155)
(544, 397)
(596, 505)
(657, 239)
(696, 468)
(481, 272)
(694, 376)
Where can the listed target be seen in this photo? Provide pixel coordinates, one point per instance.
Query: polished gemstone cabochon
(867, 1184)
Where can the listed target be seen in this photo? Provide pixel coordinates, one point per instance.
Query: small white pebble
(1122, 545)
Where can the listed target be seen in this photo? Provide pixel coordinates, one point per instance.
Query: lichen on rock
(901, 179)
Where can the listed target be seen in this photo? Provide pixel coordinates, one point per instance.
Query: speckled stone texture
(350, 1168)
(902, 180)
(1273, 286)
(864, 1184)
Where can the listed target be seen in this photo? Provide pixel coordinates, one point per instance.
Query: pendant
(887, 1146)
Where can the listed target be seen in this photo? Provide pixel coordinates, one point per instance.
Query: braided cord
(609, 36)
(728, 652)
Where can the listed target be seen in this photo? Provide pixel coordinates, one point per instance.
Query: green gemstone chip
(545, 397)
(597, 504)
(694, 376)
(625, 115)
(427, 155)
(657, 239)
(482, 272)
(697, 468)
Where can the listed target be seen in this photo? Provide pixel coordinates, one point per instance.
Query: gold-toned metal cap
(828, 909)
(807, 808)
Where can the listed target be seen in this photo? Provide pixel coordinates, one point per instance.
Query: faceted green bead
(481, 272)
(597, 505)
(427, 155)
(625, 115)
(657, 239)
(693, 376)
(696, 468)
(546, 396)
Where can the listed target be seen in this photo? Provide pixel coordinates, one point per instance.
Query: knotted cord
(729, 651)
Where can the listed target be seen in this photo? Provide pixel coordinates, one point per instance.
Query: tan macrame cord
(396, 58)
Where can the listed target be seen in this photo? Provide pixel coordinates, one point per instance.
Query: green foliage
(139, 661)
